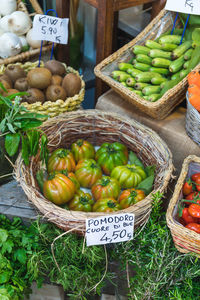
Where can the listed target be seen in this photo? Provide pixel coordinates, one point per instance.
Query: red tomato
(187, 217)
(194, 210)
(195, 176)
(197, 183)
(187, 188)
(195, 196)
(193, 226)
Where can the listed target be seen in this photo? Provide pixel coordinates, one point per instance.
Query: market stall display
(15, 32)
(52, 88)
(97, 128)
(149, 71)
(183, 210)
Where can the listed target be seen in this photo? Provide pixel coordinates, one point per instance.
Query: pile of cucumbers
(158, 65)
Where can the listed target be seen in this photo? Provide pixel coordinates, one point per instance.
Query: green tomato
(88, 172)
(82, 149)
(106, 187)
(106, 205)
(81, 202)
(129, 176)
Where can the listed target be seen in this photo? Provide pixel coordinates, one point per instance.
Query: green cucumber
(140, 85)
(124, 66)
(142, 67)
(168, 47)
(180, 50)
(138, 49)
(176, 75)
(146, 76)
(146, 97)
(177, 31)
(142, 58)
(195, 58)
(148, 90)
(161, 62)
(157, 80)
(171, 39)
(183, 73)
(177, 64)
(154, 53)
(169, 85)
(161, 71)
(133, 72)
(130, 89)
(154, 97)
(123, 83)
(116, 73)
(163, 84)
(123, 77)
(188, 54)
(130, 81)
(186, 64)
(152, 44)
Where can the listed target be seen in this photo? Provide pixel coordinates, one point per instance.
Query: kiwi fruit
(14, 72)
(55, 92)
(10, 92)
(21, 84)
(34, 95)
(5, 77)
(39, 78)
(72, 84)
(56, 67)
(6, 84)
(56, 80)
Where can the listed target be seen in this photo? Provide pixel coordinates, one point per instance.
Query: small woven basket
(185, 240)
(97, 127)
(24, 56)
(49, 108)
(163, 106)
(192, 122)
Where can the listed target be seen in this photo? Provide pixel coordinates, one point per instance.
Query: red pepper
(194, 210)
(187, 217)
(193, 226)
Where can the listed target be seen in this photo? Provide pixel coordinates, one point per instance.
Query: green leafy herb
(135, 160)
(12, 141)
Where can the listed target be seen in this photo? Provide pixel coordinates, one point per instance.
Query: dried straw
(97, 127)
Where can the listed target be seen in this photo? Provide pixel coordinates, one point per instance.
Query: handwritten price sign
(184, 6)
(109, 229)
(47, 28)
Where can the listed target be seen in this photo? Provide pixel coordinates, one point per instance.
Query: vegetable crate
(50, 108)
(97, 127)
(163, 106)
(24, 56)
(185, 240)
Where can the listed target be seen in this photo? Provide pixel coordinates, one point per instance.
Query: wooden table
(106, 27)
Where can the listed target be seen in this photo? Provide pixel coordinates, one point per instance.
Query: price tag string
(183, 29)
(40, 55)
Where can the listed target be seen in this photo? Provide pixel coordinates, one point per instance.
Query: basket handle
(40, 55)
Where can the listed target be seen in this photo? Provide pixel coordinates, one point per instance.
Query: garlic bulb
(7, 7)
(19, 23)
(10, 45)
(4, 24)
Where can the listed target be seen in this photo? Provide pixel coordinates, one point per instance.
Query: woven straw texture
(192, 124)
(24, 56)
(49, 108)
(185, 240)
(162, 107)
(97, 127)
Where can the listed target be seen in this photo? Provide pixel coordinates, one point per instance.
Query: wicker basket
(49, 108)
(24, 56)
(97, 127)
(185, 240)
(162, 107)
(192, 124)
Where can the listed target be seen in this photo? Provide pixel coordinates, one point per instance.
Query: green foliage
(161, 272)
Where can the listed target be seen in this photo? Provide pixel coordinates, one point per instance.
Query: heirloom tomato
(187, 217)
(81, 202)
(130, 197)
(110, 156)
(106, 187)
(187, 187)
(59, 189)
(193, 226)
(70, 175)
(106, 205)
(194, 210)
(88, 172)
(61, 159)
(82, 149)
(129, 176)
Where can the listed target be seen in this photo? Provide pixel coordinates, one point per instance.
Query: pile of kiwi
(48, 83)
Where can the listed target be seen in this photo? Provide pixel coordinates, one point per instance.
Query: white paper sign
(184, 6)
(109, 229)
(48, 28)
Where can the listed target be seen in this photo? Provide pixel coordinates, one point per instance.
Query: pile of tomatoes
(84, 179)
(190, 206)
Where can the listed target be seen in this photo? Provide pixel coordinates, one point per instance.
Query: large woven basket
(97, 127)
(192, 122)
(162, 107)
(24, 56)
(49, 108)
(185, 240)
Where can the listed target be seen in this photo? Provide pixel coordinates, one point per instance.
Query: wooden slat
(122, 4)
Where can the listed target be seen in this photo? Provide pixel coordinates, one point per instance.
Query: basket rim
(93, 113)
(171, 223)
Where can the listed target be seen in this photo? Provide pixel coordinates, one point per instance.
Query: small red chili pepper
(194, 210)
(193, 226)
